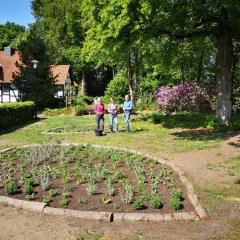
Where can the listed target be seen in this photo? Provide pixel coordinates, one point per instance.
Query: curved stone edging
(109, 216)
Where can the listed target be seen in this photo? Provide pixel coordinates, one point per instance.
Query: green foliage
(10, 188)
(175, 203)
(9, 32)
(82, 200)
(54, 111)
(12, 114)
(27, 188)
(127, 193)
(80, 110)
(117, 88)
(52, 192)
(155, 201)
(138, 204)
(31, 196)
(64, 201)
(46, 199)
(105, 200)
(177, 193)
(83, 100)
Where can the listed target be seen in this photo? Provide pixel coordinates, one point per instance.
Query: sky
(17, 11)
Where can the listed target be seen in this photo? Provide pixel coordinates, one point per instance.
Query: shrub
(80, 110)
(54, 111)
(188, 96)
(10, 187)
(12, 114)
(117, 88)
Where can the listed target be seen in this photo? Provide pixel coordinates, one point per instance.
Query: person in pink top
(99, 109)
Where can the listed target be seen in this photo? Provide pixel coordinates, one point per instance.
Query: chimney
(8, 51)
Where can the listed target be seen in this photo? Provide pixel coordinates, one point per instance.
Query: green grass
(145, 136)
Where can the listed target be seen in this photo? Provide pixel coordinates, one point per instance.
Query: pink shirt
(99, 108)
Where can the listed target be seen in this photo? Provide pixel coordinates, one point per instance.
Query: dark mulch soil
(13, 161)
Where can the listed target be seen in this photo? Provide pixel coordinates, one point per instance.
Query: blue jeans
(100, 121)
(126, 119)
(113, 117)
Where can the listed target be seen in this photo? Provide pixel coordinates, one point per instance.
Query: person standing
(99, 109)
(113, 109)
(127, 109)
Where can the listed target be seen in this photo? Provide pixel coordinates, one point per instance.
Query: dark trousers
(100, 122)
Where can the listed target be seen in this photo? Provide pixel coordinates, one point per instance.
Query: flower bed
(84, 128)
(88, 178)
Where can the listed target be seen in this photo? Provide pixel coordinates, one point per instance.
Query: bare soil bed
(86, 178)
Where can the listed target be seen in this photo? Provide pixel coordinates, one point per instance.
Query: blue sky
(17, 11)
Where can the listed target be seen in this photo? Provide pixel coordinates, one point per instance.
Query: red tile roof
(8, 65)
(60, 73)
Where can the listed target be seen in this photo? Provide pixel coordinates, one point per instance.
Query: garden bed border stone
(110, 216)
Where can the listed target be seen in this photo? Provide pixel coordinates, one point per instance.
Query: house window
(5, 88)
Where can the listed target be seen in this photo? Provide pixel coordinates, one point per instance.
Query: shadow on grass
(204, 134)
(19, 126)
(184, 120)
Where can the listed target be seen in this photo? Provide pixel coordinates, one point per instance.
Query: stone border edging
(110, 216)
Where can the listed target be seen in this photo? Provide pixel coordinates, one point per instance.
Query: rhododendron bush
(188, 96)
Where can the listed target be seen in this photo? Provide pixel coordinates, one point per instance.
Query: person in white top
(113, 111)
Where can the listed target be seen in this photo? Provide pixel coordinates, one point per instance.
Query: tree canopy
(152, 42)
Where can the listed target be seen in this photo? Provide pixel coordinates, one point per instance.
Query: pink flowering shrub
(188, 96)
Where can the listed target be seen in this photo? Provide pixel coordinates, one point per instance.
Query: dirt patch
(7, 142)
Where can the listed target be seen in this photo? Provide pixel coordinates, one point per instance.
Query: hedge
(12, 114)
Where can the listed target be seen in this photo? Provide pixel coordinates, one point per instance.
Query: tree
(43, 89)
(9, 32)
(186, 19)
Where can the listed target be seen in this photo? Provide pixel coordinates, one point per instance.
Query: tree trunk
(224, 71)
(130, 79)
(136, 73)
(83, 84)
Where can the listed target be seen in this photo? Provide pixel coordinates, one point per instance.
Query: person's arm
(95, 108)
(103, 109)
(109, 109)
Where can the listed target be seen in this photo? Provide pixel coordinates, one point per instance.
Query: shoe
(103, 133)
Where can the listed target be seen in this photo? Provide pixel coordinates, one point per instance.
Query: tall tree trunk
(224, 71)
(130, 79)
(83, 84)
(136, 72)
